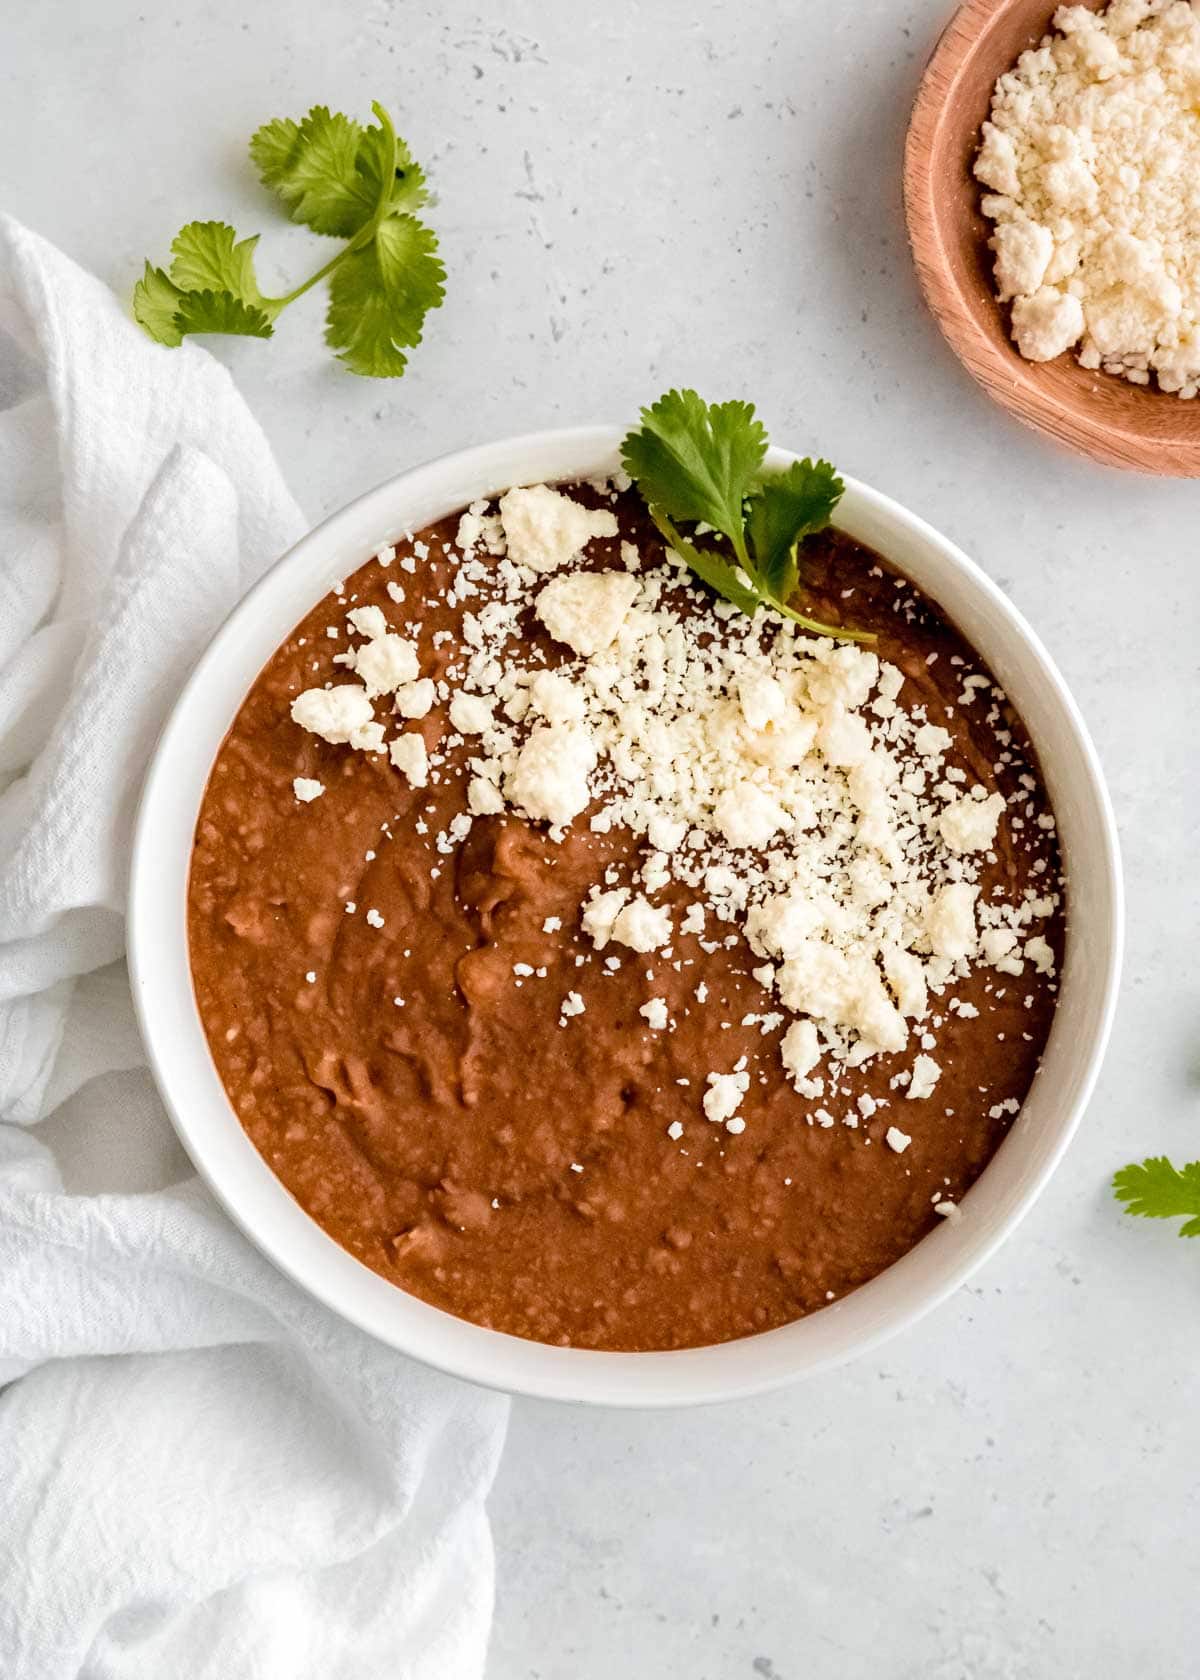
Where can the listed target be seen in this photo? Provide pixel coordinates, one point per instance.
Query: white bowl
(255, 1198)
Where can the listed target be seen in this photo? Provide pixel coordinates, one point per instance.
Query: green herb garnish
(342, 180)
(701, 464)
(1157, 1190)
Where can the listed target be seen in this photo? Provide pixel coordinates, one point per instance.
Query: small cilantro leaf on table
(218, 312)
(343, 181)
(312, 166)
(702, 464)
(210, 289)
(379, 298)
(378, 161)
(156, 304)
(208, 256)
(1156, 1189)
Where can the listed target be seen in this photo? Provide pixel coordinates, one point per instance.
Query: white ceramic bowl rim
(256, 1199)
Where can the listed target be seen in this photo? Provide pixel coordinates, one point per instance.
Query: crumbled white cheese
(545, 529)
(969, 825)
(842, 988)
(386, 664)
(950, 921)
(655, 1014)
(751, 766)
(600, 913)
(844, 738)
(1040, 954)
(748, 816)
(1092, 154)
(335, 714)
(762, 699)
(572, 1004)
(931, 741)
(905, 974)
(997, 947)
(556, 698)
(925, 1075)
(416, 699)
(484, 798)
(471, 714)
(368, 621)
(585, 610)
(550, 778)
(408, 754)
(724, 1095)
(896, 1139)
(477, 528)
(800, 1049)
(642, 926)
(307, 789)
(1047, 323)
(1023, 250)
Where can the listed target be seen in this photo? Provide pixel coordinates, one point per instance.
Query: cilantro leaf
(338, 178)
(333, 175)
(379, 297)
(408, 191)
(221, 312)
(1158, 1190)
(787, 507)
(273, 148)
(701, 463)
(311, 165)
(697, 461)
(211, 288)
(155, 302)
(208, 257)
(169, 314)
(716, 571)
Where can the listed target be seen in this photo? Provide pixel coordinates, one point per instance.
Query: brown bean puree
(440, 1119)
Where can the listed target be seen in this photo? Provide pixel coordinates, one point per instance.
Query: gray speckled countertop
(633, 195)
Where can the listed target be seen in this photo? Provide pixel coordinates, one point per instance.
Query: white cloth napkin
(202, 1472)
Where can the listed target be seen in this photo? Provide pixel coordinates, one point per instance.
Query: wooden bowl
(1114, 422)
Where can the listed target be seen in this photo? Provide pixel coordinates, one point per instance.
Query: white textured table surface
(633, 195)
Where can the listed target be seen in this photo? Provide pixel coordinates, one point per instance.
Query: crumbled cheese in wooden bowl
(1092, 158)
(771, 773)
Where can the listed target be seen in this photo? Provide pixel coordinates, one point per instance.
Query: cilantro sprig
(344, 181)
(1157, 1190)
(701, 464)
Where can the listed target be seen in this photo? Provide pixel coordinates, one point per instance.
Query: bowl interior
(257, 1200)
(1105, 417)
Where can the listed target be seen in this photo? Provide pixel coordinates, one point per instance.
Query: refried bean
(425, 1105)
